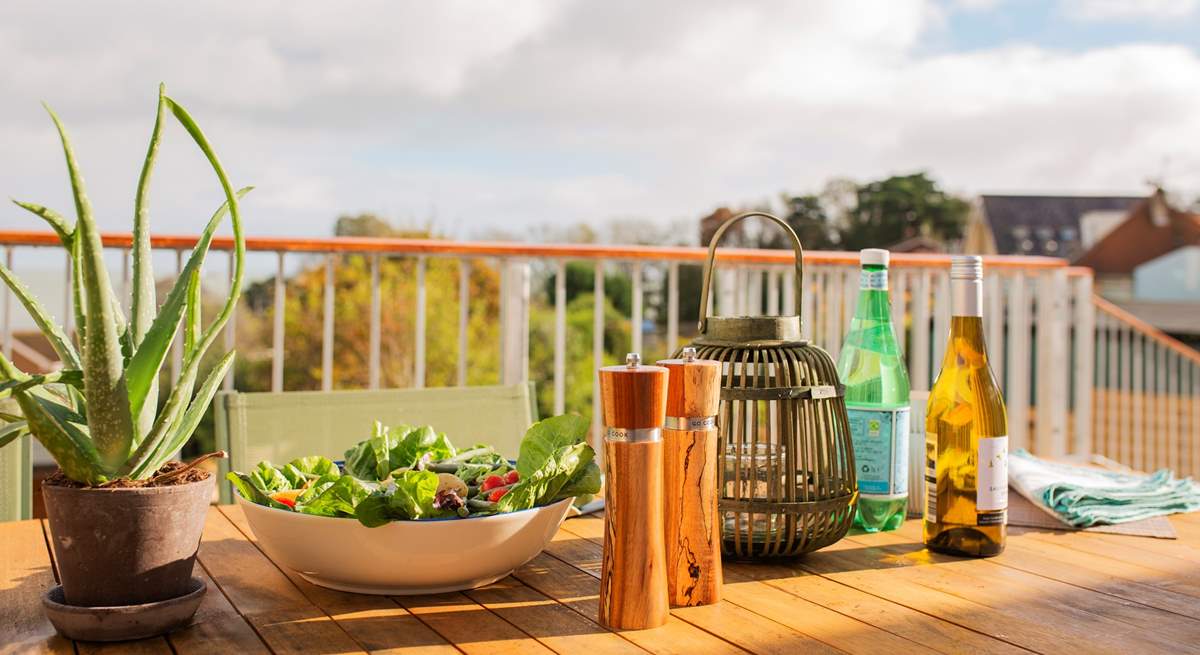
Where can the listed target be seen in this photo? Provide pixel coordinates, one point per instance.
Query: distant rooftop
(1045, 225)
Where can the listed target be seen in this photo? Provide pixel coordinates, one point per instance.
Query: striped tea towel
(1083, 497)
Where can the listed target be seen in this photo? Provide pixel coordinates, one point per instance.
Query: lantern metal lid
(787, 483)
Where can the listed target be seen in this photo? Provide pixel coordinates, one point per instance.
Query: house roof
(1140, 238)
(1056, 217)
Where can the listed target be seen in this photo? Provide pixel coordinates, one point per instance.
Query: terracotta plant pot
(126, 546)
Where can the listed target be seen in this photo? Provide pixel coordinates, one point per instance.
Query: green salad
(411, 473)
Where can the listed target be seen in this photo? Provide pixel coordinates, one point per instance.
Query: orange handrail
(1145, 328)
(361, 245)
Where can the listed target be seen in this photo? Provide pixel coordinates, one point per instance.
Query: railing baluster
(994, 318)
(833, 312)
(560, 337)
(277, 330)
(672, 307)
(918, 359)
(773, 292)
(1113, 389)
(898, 290)
(754, 284)
(1097, 386)
(230, 331)
(327, 326)
(419, 331)
(597, 356)
(941, 319)
(727, 290)
(1159, 438)
(1052, 369)
(1139, 400)
(789, 301)
(1172, 388)
(374, 366)
(464, 317)
(1194, 424)
(1127, 392)
(636, 310)
(849, 300)
(1085, 364)
(1018, 364)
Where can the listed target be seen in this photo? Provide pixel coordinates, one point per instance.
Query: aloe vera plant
(99, 415)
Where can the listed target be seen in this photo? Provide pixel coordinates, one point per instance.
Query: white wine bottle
(966, 433)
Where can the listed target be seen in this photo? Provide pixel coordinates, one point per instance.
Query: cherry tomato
(497, 495)
(492, 482)
(511, 477)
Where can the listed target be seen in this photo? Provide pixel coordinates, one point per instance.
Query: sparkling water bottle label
(874, 280)
(880, 440)
(992, 486)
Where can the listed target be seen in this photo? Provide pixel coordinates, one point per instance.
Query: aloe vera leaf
(148, 359)
(235, 220)
(11, 386)
(109, 417)
(54, 219)
(167, 418)
(191, 330)
(190, 419)
(72, 448)
(10, 418)
(10, 432)
(77, 301)
(143, 301)
(53, 333)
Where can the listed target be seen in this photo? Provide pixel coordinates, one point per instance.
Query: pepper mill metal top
(634, 397)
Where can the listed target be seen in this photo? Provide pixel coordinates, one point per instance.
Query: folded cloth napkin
(1083, 497)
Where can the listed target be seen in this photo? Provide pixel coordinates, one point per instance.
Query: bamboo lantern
(633, 576)
(787, 482)
(692, 532)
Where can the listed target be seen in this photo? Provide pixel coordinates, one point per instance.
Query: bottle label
(931, 485)
(880, 440)
(991, 491)
(872, 280)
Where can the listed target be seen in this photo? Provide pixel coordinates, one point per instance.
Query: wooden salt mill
(633, 580)
(692, 527)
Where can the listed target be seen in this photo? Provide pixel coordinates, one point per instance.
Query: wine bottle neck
(966, 297)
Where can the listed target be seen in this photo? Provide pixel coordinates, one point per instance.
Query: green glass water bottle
(876, 382)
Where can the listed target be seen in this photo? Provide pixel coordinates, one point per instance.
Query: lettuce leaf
(397, 447)
(410, 497)
(544, 438)
(246, 486)
(331, 496)
(269, 479)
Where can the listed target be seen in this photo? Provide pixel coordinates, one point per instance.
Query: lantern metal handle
(712, 255)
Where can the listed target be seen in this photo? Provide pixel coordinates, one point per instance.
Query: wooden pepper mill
(693, 528)
(633, 580)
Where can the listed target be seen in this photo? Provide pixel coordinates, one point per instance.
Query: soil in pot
(128, 542)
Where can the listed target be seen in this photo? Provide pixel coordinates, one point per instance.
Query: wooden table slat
(1050, 591)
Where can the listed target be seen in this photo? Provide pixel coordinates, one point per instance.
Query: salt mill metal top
(787, 477)
(692, 528)
(633, 582)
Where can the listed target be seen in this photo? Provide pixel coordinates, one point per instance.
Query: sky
(494, 117)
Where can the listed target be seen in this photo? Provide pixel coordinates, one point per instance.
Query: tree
(807, 217)
(581, 279)
(899, 207)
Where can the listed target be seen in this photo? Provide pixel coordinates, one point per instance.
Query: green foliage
(581, 279)
(108, 429)
(578, 352)
(899, 207)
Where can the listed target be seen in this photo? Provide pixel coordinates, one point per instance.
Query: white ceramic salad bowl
(403, 557)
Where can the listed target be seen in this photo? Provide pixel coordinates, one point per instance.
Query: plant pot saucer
(122, 622)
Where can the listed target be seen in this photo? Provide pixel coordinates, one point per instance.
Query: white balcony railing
(1076, 382)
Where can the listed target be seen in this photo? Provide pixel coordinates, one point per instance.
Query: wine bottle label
(873, 280)
(880, 441)
(931, 514)
(992, 481)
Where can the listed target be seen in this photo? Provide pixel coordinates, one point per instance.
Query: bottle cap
(966, 267)
(873, 257)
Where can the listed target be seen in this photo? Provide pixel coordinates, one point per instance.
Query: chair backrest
(16, 480)
(280, 426)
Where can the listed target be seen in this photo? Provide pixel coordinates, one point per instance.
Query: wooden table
(1049, 592)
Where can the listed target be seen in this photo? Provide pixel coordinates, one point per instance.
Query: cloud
(1105, 10)
(510, 114)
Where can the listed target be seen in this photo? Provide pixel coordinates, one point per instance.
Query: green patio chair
(16, 481)
(280, 426)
